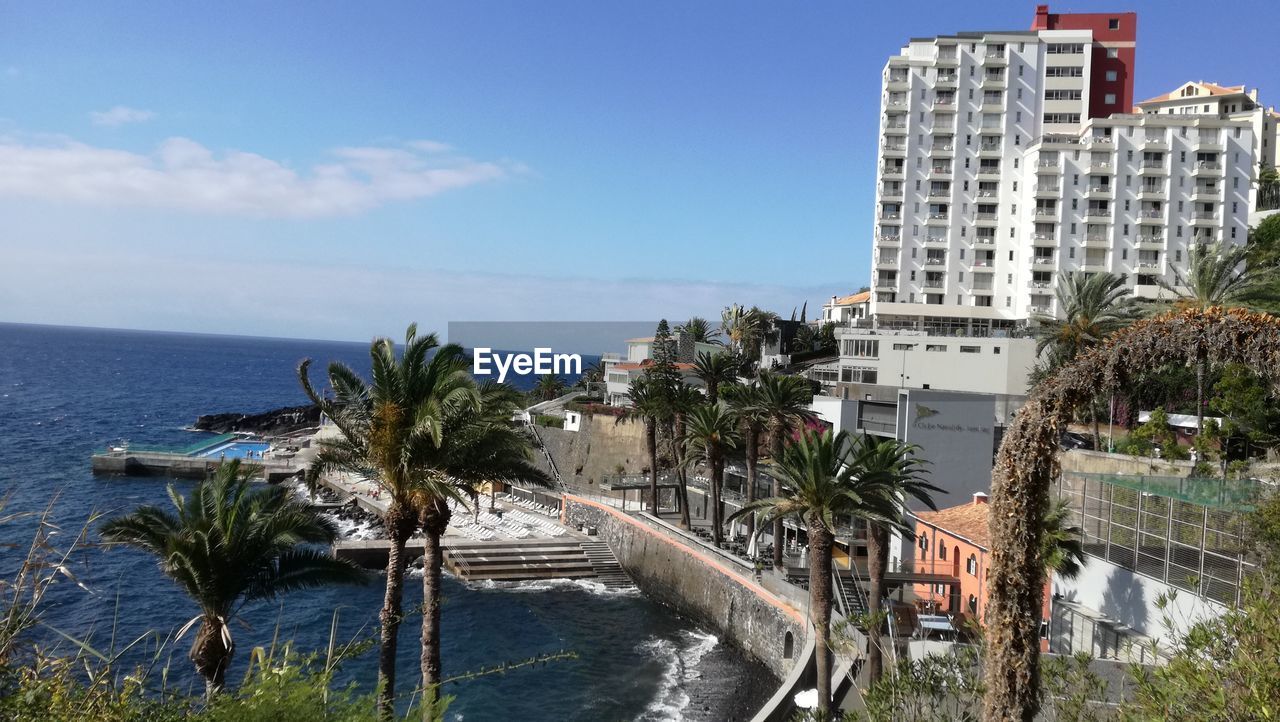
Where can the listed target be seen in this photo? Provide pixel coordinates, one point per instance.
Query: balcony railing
(940, 169)
(985, 216)
(985, 240)
(889, 238)
(1150, 213)
(890, 216)
(1096, 239)
(938, 216)
(1042, 260)
(935, 261)
(1048, 189)
(935, 239)
(1100, 164)
(982, 263)
(989, 170)
(1204, 215)
(940, 193)
(1100, 189)
(986, 194)
(1043, 236)
(1208, 165)
(989, 147)
(1098, 213)
(1047, 163)
(1151, 239)
(1047, 211)
(942, 147)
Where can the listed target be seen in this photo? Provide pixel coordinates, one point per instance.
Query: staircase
(512, 560)
(854, 597)
(607, 569)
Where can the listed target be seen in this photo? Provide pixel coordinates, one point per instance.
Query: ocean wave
(681, 658)
(546, 585)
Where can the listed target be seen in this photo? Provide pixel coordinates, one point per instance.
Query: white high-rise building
(1009, 159)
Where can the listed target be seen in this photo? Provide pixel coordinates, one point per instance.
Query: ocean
(65, 392)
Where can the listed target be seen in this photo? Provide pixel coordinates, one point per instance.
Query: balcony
(890, 216)
(891, 192)
(1040, 284)
(986, 193)
(1151, 242)
(1151, 218)
(895, 128)
(1102, 141)
(1044, 239)
(1051, 212)
(942, 149)
(1098, 212)
(1204, 217)
(948, 58)
(896, 82)
(944, 102)
(894, 148)
(937, 219)
(1205, 193)
(1210, 144)
(983, 290)
(1047, 164)
(935, 240)
(992, 106)
(994, 59)
(986, 217)
(1149, 264)
(940, 193)
(934, 284)
(892, 170)
(984, 240)
(989, 170)
(1042, 261)
(945, 81)
(1048, 190)
(1153, 167)
(887, 263)
(989, 147)
(1100, 165)
(1092, 265)
(935, 261)
(886, 286)
(1207, 167)
(983, 263)
(889, 239)
(1152, 193)
(1157, 142)
(1094, 241)
(1100, 190)
(994, 81)
(1041, 310)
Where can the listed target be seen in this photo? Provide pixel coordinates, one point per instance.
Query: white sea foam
(545, 585)
(681, 659)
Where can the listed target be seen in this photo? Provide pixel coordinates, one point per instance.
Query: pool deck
(185, 466)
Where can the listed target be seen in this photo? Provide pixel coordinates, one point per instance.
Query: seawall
(710, 588)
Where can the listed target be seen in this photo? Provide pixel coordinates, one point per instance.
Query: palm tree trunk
(717, 480)
(211, 655)
(1097, 427)
(753, 458)
(713, 392)
(1200, 364)
(399, 527)
(681, 475)
(877, 560)
(777, 491)
(432, 560)
(651, 439)
(820, 608)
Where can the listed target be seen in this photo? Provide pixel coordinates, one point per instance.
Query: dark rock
(277, 422)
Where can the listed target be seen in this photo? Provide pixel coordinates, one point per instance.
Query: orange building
(956, 542)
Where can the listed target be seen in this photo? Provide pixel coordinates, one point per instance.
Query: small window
(1112, 76)
(1113, 24)
(935, 347)
(970, 349)
(971, 565)
(942, 552)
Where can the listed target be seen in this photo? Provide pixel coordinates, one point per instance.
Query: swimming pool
(236, 450)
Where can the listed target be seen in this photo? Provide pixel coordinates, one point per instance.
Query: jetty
(197, 461)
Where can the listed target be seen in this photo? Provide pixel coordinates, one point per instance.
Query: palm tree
(700, 331)
(715, 370)
(229, 544)
(391, 431)
(784, 404)
(1218, 276)
(819, 485)
(1090, 308)
(1060, 545)
(479, 445)
(745, 401)
(712, 431)
(593, 373)
(650, 406)
(549, 386)
(894, 467)
(683, 401)
(740, 325)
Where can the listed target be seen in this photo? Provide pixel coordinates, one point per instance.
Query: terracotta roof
(1210, 88)
(855, 298)
(967, 520)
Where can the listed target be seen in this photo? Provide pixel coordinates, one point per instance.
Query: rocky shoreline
(277, 422)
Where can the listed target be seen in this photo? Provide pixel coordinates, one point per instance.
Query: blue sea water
(65, 392)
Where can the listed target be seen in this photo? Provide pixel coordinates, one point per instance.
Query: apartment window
(995, 350)
(1062, 95)
(904, 347)
(1109, 98)
(971, 566)
(1063, 118)
(1067, 71)
(1113, 52)
(1177, 256)
(1112, 76)
(1113, 24)
(942, 552)
(970, 349)
(935, 347)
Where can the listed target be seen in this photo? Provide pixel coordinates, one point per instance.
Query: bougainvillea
(1027, 463)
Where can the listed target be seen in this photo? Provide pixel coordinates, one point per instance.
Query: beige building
(1233, 102)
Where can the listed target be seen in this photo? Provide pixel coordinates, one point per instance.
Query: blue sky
(334, 170)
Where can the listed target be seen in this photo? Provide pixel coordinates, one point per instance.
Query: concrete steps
(531, 559)
(607, 569)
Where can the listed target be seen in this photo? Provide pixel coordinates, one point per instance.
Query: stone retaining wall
(698, 583)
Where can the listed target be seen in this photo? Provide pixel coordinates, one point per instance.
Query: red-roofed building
(957, 541)
(1229, 102)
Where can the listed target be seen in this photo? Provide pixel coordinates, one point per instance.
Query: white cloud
(182, 174)
(120, 115)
